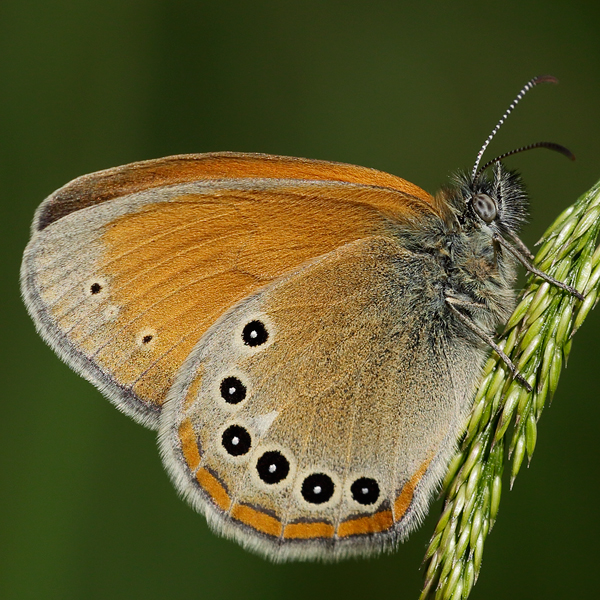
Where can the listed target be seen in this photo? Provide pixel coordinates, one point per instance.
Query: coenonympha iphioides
(306, 336)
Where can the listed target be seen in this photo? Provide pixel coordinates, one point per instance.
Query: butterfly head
(494, 205)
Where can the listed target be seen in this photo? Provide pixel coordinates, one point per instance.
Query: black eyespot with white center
(317, 488)
(147, 339)
(233, 391)
(273, 467)
(236, 440)
(365, 490)
(255, 334)
(485, 207)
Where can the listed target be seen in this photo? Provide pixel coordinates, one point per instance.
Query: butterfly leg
(527, 264)
(453, 303)
(521, 245)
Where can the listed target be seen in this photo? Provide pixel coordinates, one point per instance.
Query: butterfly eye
(365, 490)
(233, 391)
(236, 440)
(273, 467)
(255, 334)
(485, 207)
(317, 488)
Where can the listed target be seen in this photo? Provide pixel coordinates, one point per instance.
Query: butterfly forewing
(127, 268)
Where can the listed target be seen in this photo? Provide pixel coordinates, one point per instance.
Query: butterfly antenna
(550, 145)
(528, 86)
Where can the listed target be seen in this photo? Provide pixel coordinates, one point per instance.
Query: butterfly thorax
(478, 271)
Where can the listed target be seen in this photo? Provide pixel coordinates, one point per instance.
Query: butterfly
(305, 336)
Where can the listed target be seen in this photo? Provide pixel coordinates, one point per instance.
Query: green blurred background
(86, 510)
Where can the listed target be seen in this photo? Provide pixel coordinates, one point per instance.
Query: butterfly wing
(316, 417)
(127, 268)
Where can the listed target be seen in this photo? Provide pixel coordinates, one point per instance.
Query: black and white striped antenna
(528, 86)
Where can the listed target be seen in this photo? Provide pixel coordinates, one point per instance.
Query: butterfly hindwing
(316, 417)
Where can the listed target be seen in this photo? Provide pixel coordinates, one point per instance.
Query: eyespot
(273, 467)
(485, 207)
(365, 490)
(255, 334)
(146, 339)
(96, 288)
(236, 440)
(317, 488)
(233, 391)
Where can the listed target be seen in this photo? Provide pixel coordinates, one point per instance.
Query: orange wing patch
(308, 530)
(214, 488)
(175, 267)
(192, 392)
(189, 445)
(103, 186)
(380, 521)
(404, 498)
(257, 519)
